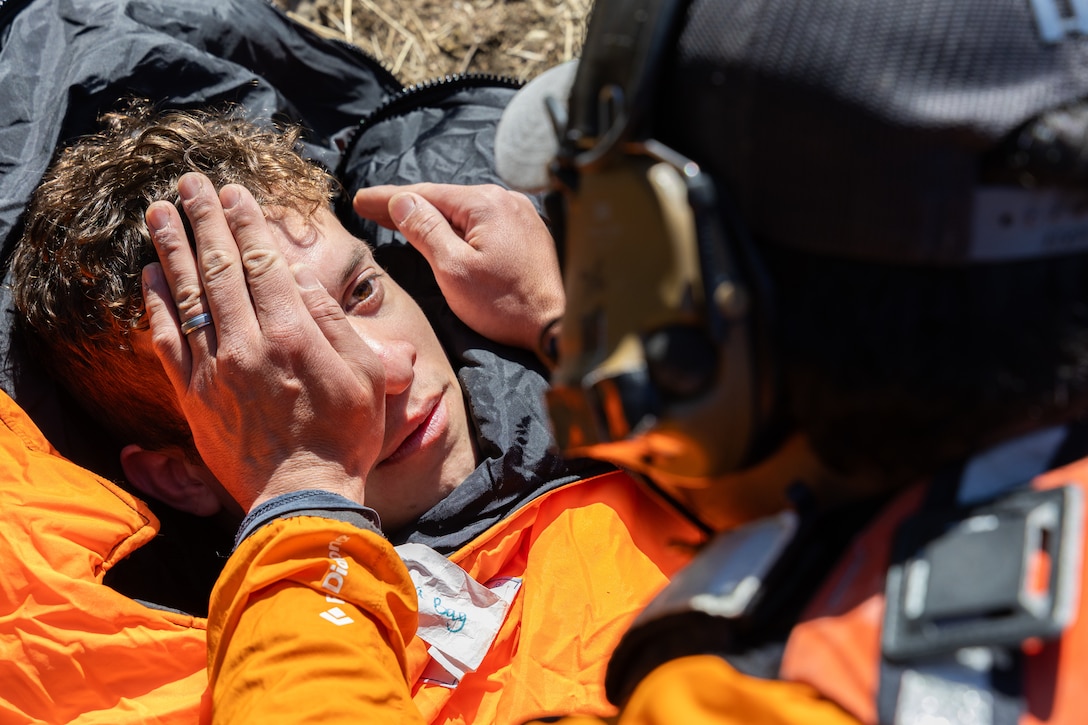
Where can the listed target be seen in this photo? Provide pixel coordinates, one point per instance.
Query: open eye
(366, 295)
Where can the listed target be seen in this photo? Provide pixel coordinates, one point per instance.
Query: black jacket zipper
(414, 96)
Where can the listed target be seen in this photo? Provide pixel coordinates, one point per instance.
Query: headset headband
(617, 78)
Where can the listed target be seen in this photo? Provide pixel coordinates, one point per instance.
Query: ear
(171, 478)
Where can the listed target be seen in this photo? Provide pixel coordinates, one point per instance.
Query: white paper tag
(458, 617)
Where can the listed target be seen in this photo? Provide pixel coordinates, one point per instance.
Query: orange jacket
(590, 555)
(834, 671)
(71, 648)
(74, 650)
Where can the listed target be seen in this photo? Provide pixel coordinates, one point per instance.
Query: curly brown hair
(77, 269)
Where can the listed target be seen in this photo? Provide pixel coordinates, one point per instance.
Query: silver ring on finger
(196, 322)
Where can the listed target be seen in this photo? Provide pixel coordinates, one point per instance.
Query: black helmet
(863, 129)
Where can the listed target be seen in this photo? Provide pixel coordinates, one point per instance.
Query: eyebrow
(358, 256)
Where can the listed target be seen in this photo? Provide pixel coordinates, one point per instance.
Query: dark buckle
(995, 575)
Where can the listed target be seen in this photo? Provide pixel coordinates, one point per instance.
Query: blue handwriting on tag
(456, 619)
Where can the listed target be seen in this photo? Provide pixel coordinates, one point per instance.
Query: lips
(425, 431)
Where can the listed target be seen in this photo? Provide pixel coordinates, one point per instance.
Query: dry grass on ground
(420, 40)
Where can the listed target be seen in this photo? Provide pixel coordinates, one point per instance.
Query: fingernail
(157, 219)
(401, 207)
(305, 277)
(229, 197)
(152, 273)
(189, 186)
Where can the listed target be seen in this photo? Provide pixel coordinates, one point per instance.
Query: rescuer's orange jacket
(961, 600)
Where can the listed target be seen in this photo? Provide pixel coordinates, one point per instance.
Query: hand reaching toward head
(280, 393)
(491, 254)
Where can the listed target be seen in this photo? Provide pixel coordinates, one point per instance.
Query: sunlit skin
(427, 450)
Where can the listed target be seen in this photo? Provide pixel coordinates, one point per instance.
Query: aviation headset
(663, 365)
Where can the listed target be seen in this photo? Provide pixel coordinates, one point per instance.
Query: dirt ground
(420, 40)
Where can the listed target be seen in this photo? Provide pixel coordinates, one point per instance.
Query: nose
(398, 359)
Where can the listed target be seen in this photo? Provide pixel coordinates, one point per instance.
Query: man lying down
(521, 626)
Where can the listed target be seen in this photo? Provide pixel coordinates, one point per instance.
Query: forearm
(309, 622)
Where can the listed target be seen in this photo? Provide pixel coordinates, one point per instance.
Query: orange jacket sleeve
(308, 623)
(705, 690)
